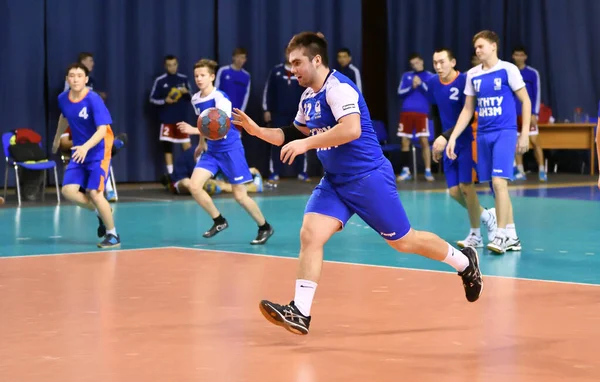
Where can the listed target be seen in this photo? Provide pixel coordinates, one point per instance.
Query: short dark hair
(83, 55)
(170, 57)
(413, 56)
(77, 65)
(239, 50)
(314, 44)
(447, 50)
(519, 48)
(491, 36)
(345, 50)
(207, 63)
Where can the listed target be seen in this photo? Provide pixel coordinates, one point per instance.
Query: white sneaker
(498, 245)
(472, 240)
(491, 225)
(513, 244)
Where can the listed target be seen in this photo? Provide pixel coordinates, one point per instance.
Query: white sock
(456, 259)
(475, 231)
(428, 169)
(511, 231)
(521, 168)
(485, 215)
(305, 292)
(542, 168)
(405, 169)
(170, 168)
(501, 233)
(112, 231)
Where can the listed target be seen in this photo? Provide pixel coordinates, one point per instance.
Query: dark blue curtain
(561, 36)
(129, 40)
(264, 28)
(22, 99)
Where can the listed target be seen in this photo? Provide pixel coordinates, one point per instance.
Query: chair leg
(5, 181)
(114, 183)
(44, 185)
(56, 184)
(414, 158)
(18, 187)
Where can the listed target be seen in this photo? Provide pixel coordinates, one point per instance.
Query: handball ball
(213, 123)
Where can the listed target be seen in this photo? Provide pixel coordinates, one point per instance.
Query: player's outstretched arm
(461, 124)
(60, 130)
(272, 135)
(347, 130)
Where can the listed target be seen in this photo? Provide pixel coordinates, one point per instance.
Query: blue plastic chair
(42, 166)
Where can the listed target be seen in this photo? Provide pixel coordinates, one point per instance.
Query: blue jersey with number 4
(84, 117)
(320, 111)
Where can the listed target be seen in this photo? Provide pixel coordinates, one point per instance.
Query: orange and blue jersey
(84, 117)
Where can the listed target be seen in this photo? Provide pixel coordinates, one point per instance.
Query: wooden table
(569, 136)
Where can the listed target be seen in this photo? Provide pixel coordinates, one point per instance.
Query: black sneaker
(287, 316)
(110, 241)
(215, 229)
(101, 228)
(471, 276)
(263, 236)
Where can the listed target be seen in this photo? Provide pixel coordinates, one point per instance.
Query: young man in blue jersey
(234, 80)
(414, 115)
(84, 112)
(491, 86)
(532, 83)
(225, 155)
(445, 92)
(171, 94)
(334, 119)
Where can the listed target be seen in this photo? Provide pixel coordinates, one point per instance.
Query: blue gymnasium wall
(39, 38)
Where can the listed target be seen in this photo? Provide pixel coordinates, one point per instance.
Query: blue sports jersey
(493, 89)
(531, 77)
(414, 99)
(450, 99)
(320, 111)
(84, 117)
(218, 99)
(234, 83)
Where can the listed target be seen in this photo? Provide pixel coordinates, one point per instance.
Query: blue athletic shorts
(232, 164)
(459, 170)
(496, 154)
(90, 176)
(373, 198)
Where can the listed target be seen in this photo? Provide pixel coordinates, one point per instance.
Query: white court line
(146, 199)
(288, 258)
(98, 252)
(385, 266)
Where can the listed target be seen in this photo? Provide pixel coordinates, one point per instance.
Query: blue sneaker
(110, 241)
(303, 177)
(259, 182)
(429, 176)
(404, 175)
(543, 176)
(273, 178)
(110, 196)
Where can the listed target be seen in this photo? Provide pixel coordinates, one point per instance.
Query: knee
(455, 192)
(96, 195)
(466, 188)
(407, 244)
(310, 237)
(195, 187)
(239, 192)
(499, 185)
